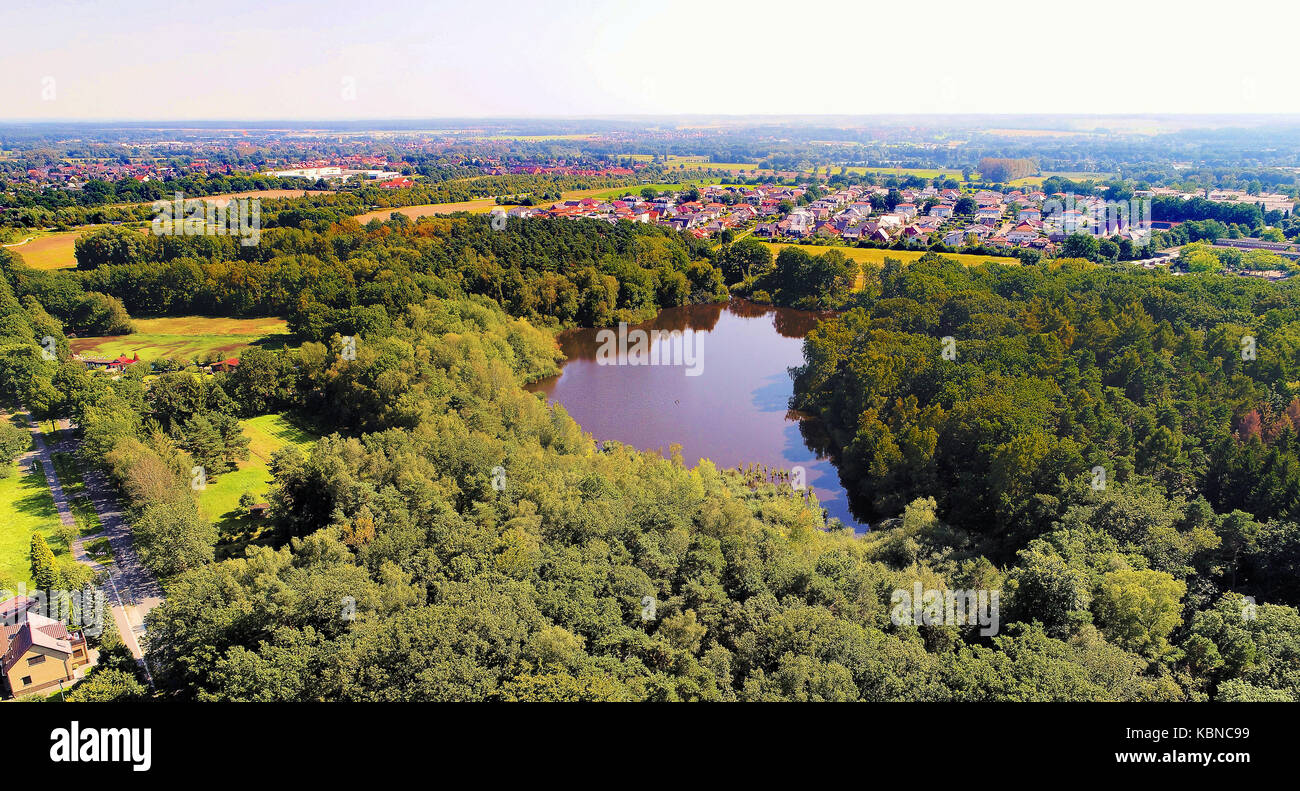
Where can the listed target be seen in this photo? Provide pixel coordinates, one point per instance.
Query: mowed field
(430, 210)
(219, 502)
(186, 337)
(484, 205)
(636, 190)
(924, 173)
(868, 255)
(1034, 181)
(56, 249)
(267, 194)
(50, 250)
(26, 507)
(679, 162)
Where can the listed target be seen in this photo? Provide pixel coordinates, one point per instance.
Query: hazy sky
(328, 59)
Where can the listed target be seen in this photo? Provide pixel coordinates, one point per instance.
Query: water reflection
(736, 412)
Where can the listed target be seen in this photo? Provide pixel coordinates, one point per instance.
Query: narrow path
(19, 244)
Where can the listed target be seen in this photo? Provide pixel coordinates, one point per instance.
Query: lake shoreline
(734, 409)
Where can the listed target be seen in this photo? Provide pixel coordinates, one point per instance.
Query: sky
(402, 59)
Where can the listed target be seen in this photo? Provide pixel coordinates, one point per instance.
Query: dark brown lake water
(733, 411)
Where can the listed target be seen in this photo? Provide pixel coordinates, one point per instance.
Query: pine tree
(44, 572)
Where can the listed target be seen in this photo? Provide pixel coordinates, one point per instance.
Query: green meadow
(219, 502)
(28, 508)
(186, 337)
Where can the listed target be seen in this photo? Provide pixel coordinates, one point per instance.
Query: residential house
(111, 364)
(955, 238)
(39, 653)
(915, 234)
(877, 234)
(1024, 232)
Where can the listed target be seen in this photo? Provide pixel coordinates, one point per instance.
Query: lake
(729, 405)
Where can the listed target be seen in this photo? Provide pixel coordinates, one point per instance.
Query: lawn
(187, 337)
(74, 488)
(219, 502)
(27, 508)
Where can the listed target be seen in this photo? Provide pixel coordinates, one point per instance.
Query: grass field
(867, 255)
(268, 194)
(26, 508)
(678, 162)
(55, 249)
(186, 337)
(74, 488)
(925, 173)
(636, 190)
(50, 250)
(480, 206)
(1034, 181)
(484, 205)
(219, 502)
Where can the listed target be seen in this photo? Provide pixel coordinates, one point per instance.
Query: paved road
(130, 587)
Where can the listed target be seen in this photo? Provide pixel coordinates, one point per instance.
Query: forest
(1088, 430)
(329, 276)
(455, 537)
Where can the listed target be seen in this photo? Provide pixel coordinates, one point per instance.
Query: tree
(263, 382)
(45, 572)
(745, 259)
(1046, 589)
(114, 246)
(1198, 257)
(108, 685)
(172, 537)
(1138, 609)
(1081, 245)
(14, 441)
(101, 314)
